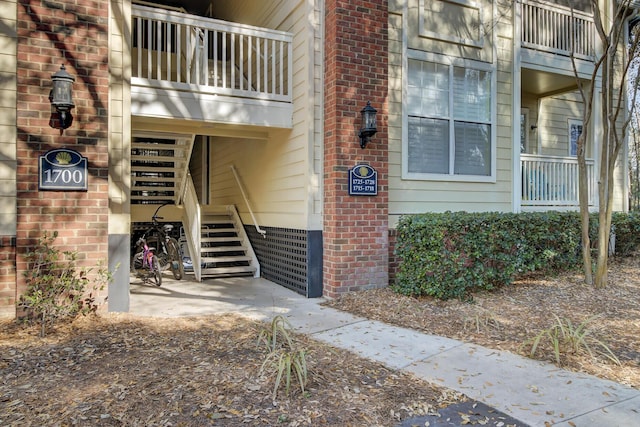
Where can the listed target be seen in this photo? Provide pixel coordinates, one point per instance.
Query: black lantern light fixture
(368, 126)
(60, 98)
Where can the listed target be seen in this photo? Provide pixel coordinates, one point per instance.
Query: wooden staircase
(224, 246)
(158, 167)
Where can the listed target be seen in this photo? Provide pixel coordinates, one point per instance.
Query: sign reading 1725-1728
(363, 181)
(63, 169)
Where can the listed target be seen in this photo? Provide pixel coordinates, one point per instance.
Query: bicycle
(167, 249)
(145, 263)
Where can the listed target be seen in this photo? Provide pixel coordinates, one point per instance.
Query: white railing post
(166, 39)
(552, 181)
(558, 29)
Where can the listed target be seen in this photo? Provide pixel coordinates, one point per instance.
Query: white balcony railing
(553, 181)
(558, 29)
(198, 54)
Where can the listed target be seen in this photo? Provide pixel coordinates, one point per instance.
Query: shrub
(627, 230)
(447, 255)
(56, 289)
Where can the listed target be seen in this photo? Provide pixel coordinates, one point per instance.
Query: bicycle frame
(168, 250)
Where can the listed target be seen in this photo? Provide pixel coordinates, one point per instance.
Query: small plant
(566, 338)
(482, 321)
(56, 288)
(285, 360)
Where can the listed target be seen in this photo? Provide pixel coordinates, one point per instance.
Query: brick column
(355, 232)
(73, 33)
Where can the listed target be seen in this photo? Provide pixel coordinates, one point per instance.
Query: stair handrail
(262, 232)
(192, 224)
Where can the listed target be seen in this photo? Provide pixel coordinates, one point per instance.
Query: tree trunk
(583, 190)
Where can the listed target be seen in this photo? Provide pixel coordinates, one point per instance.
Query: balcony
(552, 28)
(551, 182)
(189, 67)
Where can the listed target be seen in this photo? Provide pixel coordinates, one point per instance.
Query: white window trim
(527, 129)
(432, 57)
(570, 123)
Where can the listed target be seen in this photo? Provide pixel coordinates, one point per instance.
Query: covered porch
(557, 46)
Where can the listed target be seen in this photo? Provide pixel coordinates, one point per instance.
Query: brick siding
(355, 232)
(73, 33)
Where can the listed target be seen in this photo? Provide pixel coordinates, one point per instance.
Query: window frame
(570, 124)
(450, 62)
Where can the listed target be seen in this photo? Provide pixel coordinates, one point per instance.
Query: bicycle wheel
(156, 273)
(159, 250)
(177, 268)
(136, 262)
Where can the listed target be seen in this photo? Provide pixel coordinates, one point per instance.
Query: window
(575, 130)
(449, 120)
(524, 130)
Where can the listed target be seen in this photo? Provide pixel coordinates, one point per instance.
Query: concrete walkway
(536, 393)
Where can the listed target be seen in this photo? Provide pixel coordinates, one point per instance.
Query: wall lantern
(60, 98)
(368, 127)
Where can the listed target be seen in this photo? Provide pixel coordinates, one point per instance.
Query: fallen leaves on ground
(506, 318)
(119, 370)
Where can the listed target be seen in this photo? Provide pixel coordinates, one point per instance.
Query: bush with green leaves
(627, 230)
(286, 360)
(448, 255)
(57, 289)
(451, 254)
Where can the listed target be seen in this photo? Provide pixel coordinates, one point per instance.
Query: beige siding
(119, 117)
(8, 130)
(282, 173)
(553, 122)
(415, 196)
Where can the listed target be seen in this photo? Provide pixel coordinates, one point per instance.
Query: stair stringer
(233, 213)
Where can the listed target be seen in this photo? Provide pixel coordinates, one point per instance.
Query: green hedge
(449, 255)
(627, 230)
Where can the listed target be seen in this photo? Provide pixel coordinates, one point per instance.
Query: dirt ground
(119, 370)
(125, 371)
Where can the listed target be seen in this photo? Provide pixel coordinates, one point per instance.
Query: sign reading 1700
(63, 169)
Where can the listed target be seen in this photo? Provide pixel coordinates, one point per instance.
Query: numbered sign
(63, 169)
(363, 181)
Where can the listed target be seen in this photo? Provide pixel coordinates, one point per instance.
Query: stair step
(216, 219)
(220, 259)
(220, 239)
(218, 230)
(228, 270)
(219, 249)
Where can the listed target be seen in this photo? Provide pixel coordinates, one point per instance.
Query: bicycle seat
(167, 228)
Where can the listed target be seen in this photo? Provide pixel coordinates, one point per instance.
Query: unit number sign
(63, 169)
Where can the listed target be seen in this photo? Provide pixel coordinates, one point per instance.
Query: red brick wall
(73, 33)
(393, 259)
(355, 232)
(7, 276)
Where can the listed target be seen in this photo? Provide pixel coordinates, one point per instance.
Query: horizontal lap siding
(415, 196)
(276, 172)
